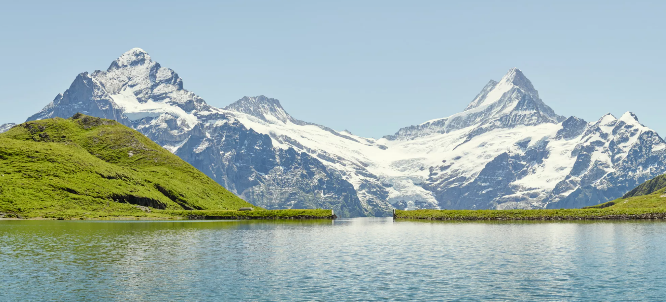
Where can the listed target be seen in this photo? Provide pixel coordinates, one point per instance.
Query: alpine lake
(365, 259)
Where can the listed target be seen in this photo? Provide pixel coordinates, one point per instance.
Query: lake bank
(540, 214)
(293, 214)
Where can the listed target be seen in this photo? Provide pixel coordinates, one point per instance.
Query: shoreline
(532, 215)
(293, 214)
(167, 215)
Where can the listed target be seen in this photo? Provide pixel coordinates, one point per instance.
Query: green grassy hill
(91, 167)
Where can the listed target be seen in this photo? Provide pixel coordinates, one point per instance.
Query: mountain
(137, 92)
(5, 127)
(507, 149)
(511, 102)
(613, 156)
(88, 166)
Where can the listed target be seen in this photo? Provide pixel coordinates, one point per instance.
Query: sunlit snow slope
(507, 149)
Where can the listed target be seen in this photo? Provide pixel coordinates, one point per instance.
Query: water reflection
(348, 259)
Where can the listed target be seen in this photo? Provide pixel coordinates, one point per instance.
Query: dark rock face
(493, 185)
(571, 128)
(139, 201)
(599, 183)
(85, 96)
(245, 162)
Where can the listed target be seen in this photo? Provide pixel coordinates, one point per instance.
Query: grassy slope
(91, 167)
(651, 186)
(654, 200)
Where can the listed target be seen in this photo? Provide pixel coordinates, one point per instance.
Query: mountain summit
(516, 77)
(511, 102)
(133, 90)
(513, 78)
(263, 108)
(133, 57)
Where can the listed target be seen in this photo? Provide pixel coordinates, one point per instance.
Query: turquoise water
(348, 259)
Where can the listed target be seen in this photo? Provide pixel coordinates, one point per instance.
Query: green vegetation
(653, 201)
(647, 201)
(651, 206)
(87, 167)
(564, 214)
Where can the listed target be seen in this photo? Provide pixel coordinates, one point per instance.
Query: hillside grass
(93, 168)
(649, 187)
(655, 200)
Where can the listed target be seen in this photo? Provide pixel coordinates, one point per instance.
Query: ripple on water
(348, 259)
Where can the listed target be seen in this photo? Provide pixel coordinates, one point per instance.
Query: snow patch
(135, 110)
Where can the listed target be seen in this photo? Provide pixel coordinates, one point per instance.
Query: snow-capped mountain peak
(133, 57)
(630, 118)
(611, 125)
(493, 92)
(606, 118)
(135, 70)
(133, 88)
(516, 77)
(266, 109)
(508, 103)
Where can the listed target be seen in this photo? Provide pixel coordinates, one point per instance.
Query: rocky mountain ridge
(507, 149)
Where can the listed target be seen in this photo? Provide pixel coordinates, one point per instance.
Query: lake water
(346, 259)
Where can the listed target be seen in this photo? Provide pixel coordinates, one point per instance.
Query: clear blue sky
(367, 66)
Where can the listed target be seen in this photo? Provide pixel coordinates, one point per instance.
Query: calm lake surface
(346, 259)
